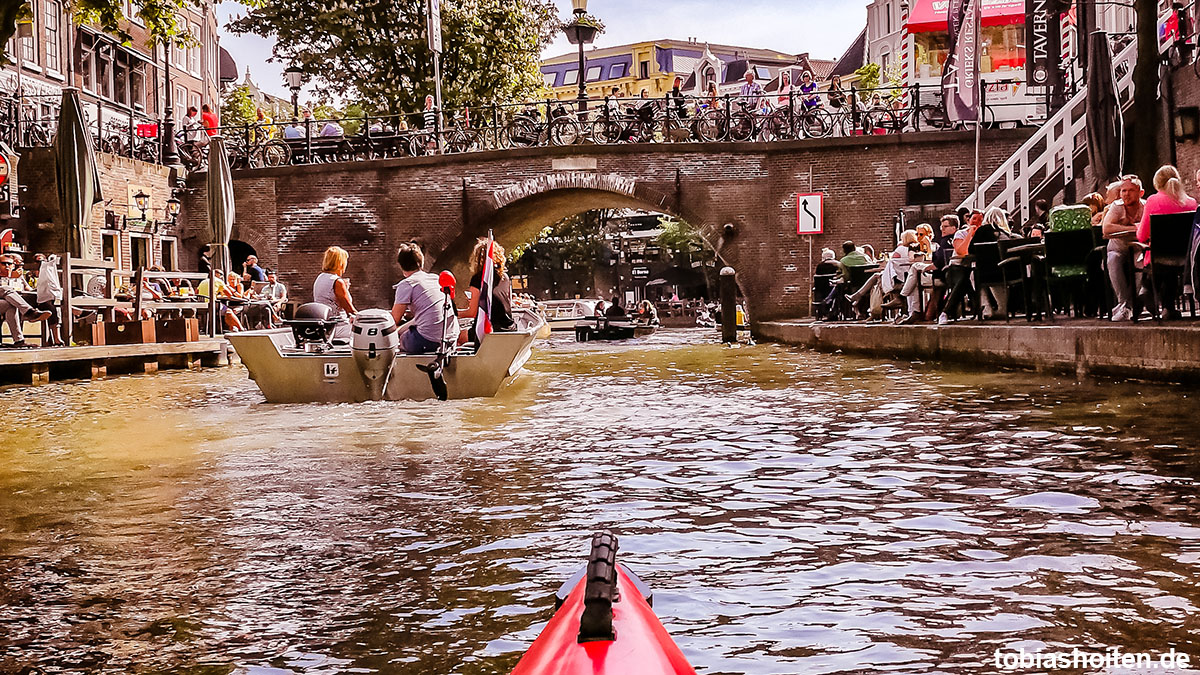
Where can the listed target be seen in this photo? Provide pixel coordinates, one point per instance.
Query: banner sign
(1043, 38)
(960, 79)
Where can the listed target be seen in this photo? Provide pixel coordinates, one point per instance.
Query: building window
(137, 86)
(178, 58)
(180, 102)
(644, 70)
(884, 58)
(110, 246)
(571, 77)
(170, 254)
(139, 251)
(29, 45)
(594, 73)
(887, 12)
(121, 80)
(104, 68)
(548, 79)
(710, 77)
(53, 35)
(87, 63)
(618, 71)
(194, 52)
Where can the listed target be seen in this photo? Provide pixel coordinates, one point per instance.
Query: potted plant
(583, 29)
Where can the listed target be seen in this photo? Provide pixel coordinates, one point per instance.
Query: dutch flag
(483, 321)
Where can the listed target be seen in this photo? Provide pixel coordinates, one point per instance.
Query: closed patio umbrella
(220, 203)
(77, 174)
(1105, 123)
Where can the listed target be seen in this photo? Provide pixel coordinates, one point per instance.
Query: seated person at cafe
(274, 292)
(252, 271)
(615, 310)
(1120, 229)
(15, 309)
(851, 257)
(646, 313)
(230, 320)
(419, 296)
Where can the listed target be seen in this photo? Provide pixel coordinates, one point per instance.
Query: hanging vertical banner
(960, 79)
(1043, 48)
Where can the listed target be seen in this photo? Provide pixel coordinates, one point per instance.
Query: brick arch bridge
(291, 214)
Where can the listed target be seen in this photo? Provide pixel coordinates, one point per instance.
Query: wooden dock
(41, 366)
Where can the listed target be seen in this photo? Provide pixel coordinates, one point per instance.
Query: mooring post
(728, 305)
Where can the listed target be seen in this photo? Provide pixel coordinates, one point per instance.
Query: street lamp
(581, 32)
(169, 155)
(142, 201)
(294, 76)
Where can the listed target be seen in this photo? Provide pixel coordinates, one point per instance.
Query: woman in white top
(332, 290)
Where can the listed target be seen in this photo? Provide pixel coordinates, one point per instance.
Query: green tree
(376, 52)
(160, 17)
(237, 107)
(868, 76)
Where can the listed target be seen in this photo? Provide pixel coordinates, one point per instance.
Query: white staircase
(1053, 148)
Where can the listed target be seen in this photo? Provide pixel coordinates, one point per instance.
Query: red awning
(930, 15)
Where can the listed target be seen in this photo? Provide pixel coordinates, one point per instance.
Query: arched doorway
(238, 252)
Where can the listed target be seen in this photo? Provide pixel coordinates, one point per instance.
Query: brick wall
(39, 227)
(444, 203)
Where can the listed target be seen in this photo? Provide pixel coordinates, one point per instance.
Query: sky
(823, 28)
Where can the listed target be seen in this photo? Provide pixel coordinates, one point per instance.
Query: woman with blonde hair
(1170, 197)
(500, 312)
(333, 291)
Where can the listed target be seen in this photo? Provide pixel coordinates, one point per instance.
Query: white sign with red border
(810, 213)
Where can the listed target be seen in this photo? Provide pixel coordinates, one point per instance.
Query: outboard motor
(312, 326)
(375, 339)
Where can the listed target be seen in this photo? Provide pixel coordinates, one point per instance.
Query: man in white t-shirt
(420, 296)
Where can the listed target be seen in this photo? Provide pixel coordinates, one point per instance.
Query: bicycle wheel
(933, 117)
(565, 131)
(742, 127)
(606, 132)
(816, 123)
(778, 126)
(709, 126)
(521, 133)
(275, 153)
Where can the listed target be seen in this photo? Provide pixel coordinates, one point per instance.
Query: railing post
(308, 140)
(495, 126)
(728, 118)
(916, 104)
(792, 112)
(131, 135)
(854, 110)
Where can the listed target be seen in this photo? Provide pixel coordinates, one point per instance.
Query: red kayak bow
(604, 626)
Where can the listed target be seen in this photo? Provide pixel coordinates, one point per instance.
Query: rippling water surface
(794, 512)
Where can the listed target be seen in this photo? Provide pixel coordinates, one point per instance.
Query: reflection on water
(794, 512)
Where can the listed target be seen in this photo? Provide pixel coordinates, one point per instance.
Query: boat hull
(287, 375)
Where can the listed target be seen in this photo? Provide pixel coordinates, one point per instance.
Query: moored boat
(302, 364)
(604, 625)
(562, 314)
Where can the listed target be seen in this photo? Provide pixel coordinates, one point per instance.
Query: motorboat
(302, 363)
(612, 328)
(562, 314)
(604, 624)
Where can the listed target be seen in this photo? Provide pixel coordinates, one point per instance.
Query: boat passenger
(501, 306)
(420, 294)
(599, 311)
(333, 291)
(615, 310)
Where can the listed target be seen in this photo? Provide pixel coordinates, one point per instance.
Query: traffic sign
(810, 213)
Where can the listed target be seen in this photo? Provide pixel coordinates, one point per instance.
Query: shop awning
(930, 15)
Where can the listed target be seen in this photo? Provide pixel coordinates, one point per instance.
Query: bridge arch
(517, 213)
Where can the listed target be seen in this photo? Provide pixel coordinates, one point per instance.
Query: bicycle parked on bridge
(527, 129)
(631, 124)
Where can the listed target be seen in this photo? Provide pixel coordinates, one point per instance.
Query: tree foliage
(160, 17)
(237, 107)
(868, 76)
(376, 51)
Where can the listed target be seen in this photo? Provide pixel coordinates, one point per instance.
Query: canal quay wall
(741, 197)
(1144, 351)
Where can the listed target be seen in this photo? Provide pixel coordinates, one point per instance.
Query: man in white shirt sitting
(420, 295)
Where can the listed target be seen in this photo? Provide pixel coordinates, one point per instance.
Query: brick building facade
(289, 215)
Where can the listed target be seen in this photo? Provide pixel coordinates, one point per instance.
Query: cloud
(823, 28)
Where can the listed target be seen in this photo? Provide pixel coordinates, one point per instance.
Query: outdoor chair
(985, 271)
(1023, 265)
(1170, 237)
(858, 276)
(1067, 255)
(822, 284)
(1131, 272)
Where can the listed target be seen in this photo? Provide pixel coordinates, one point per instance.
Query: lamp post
(294, 76)
(580, 33)
(169, 154)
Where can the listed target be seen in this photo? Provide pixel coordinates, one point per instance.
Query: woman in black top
(500, 312)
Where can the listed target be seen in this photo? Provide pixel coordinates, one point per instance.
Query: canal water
(794, 512)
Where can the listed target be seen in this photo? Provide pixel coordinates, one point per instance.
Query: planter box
(89, 334)
(177, 330)
(129, 333)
